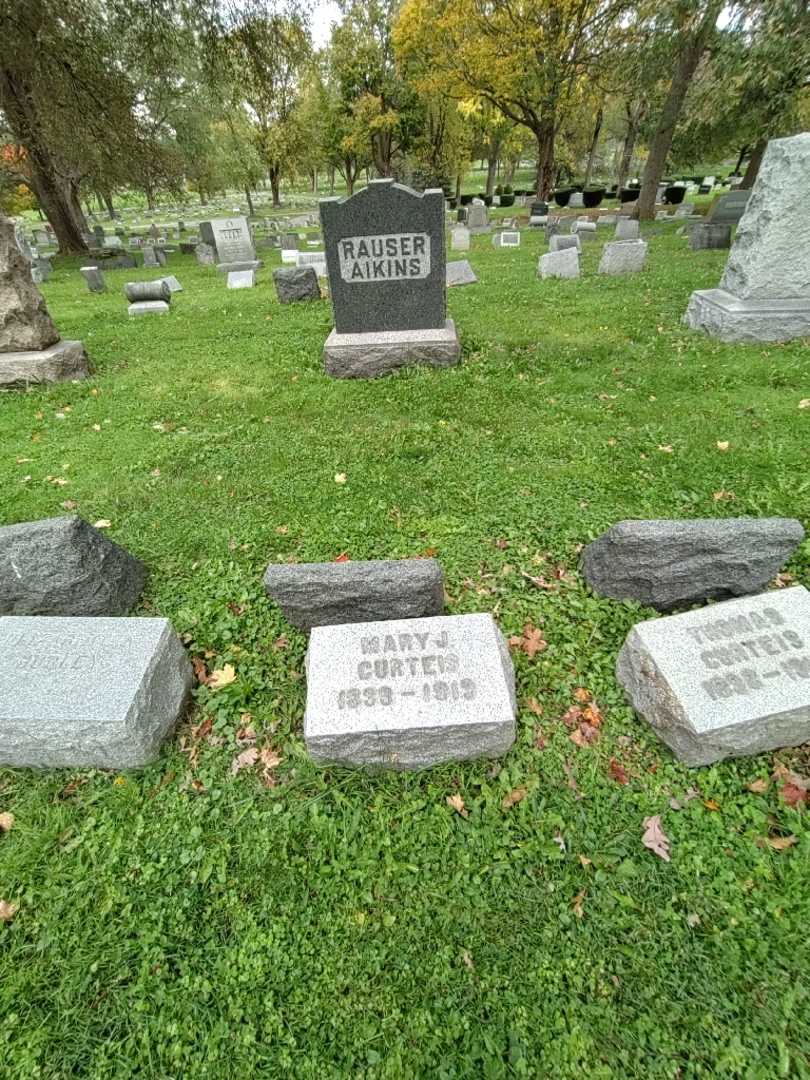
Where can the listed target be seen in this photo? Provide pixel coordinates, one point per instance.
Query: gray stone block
(559, 264)
(459, 272)
(206, 254)
(557, 242)
(623, 257)
(366, 356)
(88, 692)
(626, 229)
(730, 319)
(672, 563)
(173, 283)
(241, 279)
(64, 361)
(140, 291)
(24, 320)
(296, 283)
(323, 594)
(239, 267)
(409, 694)
(726, 681)
(148, 307)
(94, 278)
(65, 566)
(706, 237)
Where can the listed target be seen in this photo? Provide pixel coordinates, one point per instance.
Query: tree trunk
(509, 172)
(52, 192)
(738, 166)
(381, 147)
(685, 67)
(544, 178)
(492, 168)
(249, 198)
(459, 182)
(754, 163)
(592, 151)
(634, 117)
(331, 180)
(274, 185)
(107, 197)
(76, 206)
(150, 197)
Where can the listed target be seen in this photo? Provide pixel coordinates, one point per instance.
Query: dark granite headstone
(386, 259)
(728, 209)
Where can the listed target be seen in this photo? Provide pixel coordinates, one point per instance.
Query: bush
(507, 200)
(507, 190)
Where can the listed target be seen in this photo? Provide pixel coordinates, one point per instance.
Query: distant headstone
(173, 283)
(320, 594)
(241, 279)
(764, 294)
(65, 566)
(704, 237)
(294, 283)
(94, 278)
(477, 219)
(206, 256)
(386, 260)
(407, 694)
(315, 259)
(230, 239)
(460, 238)
(289, 241)
(729, 680)
(729, 209)
(562, 263)
(124, 261)
(626, 229)
(623, 257)
(576, 201)
(148, 307)
(506, 238)
(98, 235)
(153, 257)
(459, 272)
(671, 563)
(706, 186)
(560, 243)
(88, 692)
(586, 230)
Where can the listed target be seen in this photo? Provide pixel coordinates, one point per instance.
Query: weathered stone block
(409, 694)
(557, 242)
(322, 594)
(88, 692)
(728, 680)
(366, 356)
(64, 361)
(94, 278)
(560, 264)
(623, 257)
(670, 563)
(706, 237)
(148, 307)
(459, 272)
(139, 291)
(64, 566)
(626, 229)
(24, 320)
(296, 283)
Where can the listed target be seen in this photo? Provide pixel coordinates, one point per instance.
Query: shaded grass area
(185, 922)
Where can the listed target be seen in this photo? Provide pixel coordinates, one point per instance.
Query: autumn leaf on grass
(342, 557)
(758, 786)
(618, 772)
(582, 695)
(223, 676)
(8, 910)
(6, 822)
(534, 706)
(515, 796)
(577, 903)
(794, 787)
(200, 671)
(531, 641)
(779, 843)
(655, 838)
(457, 804)
(246, 760)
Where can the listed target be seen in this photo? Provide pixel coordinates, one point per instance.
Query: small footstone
(623, 257)
(560, 264)
(626, 229)
(560, 243)
(61, 362)
(94, 278)
(322, 594)
(669, 563)
(459, 272)
(241, 279)
(409, 694)
(65, 566)
(709, 237)
(88, 692)
(728, 680)
(296, 283)
(148, 307)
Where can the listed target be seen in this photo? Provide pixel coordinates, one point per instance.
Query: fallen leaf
(102, 523)
(582, 695)
(666, 449)
(457, 804)
(618, 772)
(584, 735)
(515, 796)
(804, 403)
(758, 786)
(282, 642)
(340, 478)
(467, 960)
(585, 860)
(223, 676)
(96, 427)
(693, 919)
(540, 741)
(559, 839)
(710, 804)
(69, 504)
(6, 822)
(780, 843)
(246, 760)
(793, 794)
(722, 446)
(534, 706)
(282, 530)
(246, 734)
(723, 496)
(8, 910)
(655, 838)
(342, 557)
(530, 642)
(577, 904)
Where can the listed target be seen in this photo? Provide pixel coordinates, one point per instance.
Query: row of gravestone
(391, 680)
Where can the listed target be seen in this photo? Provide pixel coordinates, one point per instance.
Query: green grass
(187, 923)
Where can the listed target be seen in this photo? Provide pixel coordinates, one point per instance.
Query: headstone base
(148, 307)
(365, 356)
(61, 362)
(247, 264)
(722, 315)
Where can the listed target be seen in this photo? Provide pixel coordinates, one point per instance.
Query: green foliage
(179, 923)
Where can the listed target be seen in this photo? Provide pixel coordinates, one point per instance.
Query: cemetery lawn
(192, 920)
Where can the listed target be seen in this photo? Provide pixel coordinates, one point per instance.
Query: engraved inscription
(725, 645)
(407, 665)
(48, 654)
(393, 257)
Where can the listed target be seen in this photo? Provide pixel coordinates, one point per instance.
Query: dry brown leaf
(467, 960)
(585, 860)
(200, 671)
(246, 760)
(531, 641)
(577, 904)
(457, 804)
(780, 843)
(6, 822)
(533, 705)
(655, 838)
(618, 772)
(758, 786)
(710, 804)
(223, 676)
(515, 796)
(8, 910)
(582, 695)
(269, 758)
